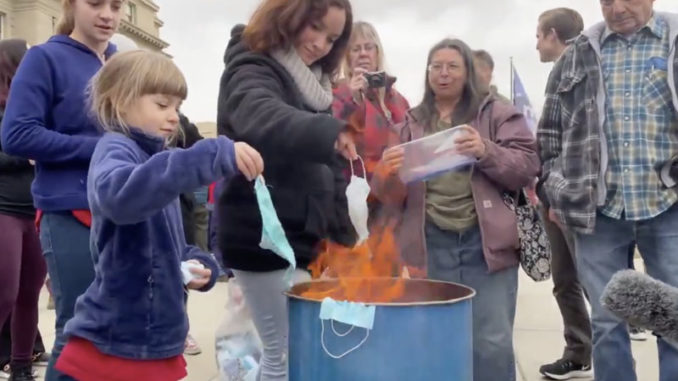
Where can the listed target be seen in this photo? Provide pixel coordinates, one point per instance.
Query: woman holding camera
(366, 98)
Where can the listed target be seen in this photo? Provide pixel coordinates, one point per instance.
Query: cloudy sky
(408, 28)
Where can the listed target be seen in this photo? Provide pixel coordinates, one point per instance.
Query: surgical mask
(272, 233)
(350, 313)
(357, 192)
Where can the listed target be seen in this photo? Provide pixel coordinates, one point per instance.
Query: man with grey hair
(609, 125)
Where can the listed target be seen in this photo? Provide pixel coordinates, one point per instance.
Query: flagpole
(513, 100)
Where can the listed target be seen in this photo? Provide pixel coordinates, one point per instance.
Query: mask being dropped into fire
(357, 192)
(272, 233)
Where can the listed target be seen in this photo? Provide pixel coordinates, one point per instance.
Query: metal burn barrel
(425, 334)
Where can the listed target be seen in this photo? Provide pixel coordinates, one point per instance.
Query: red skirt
(81, 360)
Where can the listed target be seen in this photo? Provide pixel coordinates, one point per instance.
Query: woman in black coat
(275, 94)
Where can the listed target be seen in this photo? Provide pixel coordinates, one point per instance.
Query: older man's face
(626, 16)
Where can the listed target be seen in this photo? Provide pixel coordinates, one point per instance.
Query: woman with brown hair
(276, 95)
(457, 225)
(22, 268)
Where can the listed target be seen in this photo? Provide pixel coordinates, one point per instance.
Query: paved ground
(538, 333)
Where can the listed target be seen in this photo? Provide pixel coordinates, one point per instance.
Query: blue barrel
(426, 335)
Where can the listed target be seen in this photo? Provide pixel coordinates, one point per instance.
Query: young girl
(22, 268)
(276, 95)
(131, 322)
(46, 120)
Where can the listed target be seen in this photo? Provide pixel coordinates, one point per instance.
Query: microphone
(643, 302)
(668, 172)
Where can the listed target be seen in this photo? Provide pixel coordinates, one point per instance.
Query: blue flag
(522, 101)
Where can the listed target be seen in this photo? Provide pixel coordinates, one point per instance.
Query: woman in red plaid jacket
(365, 97)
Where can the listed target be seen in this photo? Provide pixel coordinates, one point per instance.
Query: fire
(378, 257)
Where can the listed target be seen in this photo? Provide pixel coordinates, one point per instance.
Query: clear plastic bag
(238, 347)
(433, 155)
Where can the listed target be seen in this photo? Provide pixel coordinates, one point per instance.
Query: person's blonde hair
(362, 29)
(128, 76)
(67, 21)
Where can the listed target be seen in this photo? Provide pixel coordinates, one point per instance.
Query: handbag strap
(518, 198)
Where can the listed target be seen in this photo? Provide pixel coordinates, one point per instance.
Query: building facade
(36, 21)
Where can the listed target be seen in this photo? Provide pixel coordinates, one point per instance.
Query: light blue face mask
(272, 233)
(350, 313)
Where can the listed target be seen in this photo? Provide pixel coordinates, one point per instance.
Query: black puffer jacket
(189, 136)
(260, 104)
(16, 176)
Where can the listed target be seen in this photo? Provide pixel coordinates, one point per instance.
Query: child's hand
(203, 277)
(249, 161)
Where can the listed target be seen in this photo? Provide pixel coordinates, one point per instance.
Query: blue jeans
(605, 252)
(65, 245)
(458, 257)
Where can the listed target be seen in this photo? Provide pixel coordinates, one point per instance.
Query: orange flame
(378, 257)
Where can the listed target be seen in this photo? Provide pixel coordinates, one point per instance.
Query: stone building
(36, 20)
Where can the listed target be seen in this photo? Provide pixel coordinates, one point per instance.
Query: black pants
(569, 294)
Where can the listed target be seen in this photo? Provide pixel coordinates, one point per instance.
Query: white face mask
(356, 194)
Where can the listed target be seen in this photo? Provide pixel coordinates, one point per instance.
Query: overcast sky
(408, 29)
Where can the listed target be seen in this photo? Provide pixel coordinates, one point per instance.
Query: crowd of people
(107, 188)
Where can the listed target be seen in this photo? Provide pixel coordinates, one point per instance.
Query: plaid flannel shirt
(371, 120)
(573, 145)
(640, 122)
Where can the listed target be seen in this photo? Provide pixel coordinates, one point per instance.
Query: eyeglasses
(437, 67)
(367, 47)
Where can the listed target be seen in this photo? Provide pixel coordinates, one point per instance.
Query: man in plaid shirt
(609, 125)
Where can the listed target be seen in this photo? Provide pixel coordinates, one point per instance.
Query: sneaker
(565, 369)
(24, 373)
(637, 334)
(40, 359)
(4, 371)
(191, 347)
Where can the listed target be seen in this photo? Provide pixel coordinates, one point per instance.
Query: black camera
(376, 80)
